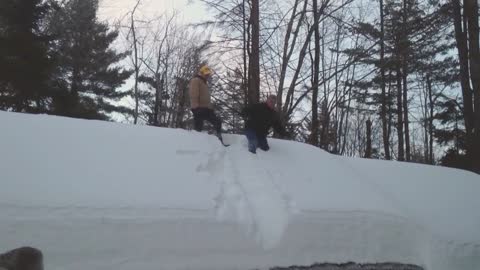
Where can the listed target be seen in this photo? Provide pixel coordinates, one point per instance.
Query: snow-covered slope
(98, 195)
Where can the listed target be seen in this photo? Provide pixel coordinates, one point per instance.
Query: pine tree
(231, 99)
(25, 63)
(88, 77)
(410, 44)
(452, 133)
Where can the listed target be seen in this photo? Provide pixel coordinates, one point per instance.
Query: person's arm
(245, 113)
(194, 93)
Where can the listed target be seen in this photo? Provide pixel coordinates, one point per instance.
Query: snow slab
(100, 195)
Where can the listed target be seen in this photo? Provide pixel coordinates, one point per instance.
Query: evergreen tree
(25, 64)
(231, 99)
(413, 38)
(452, 133)
(87, 77)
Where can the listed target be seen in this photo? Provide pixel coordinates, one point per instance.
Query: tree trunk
(182, 90)
(137, 71)
(383, 110)
(136, 63)
(389, 108)
(425, 123)
(401, 153)
(324, 140)
(347, 114)
(254, 59)
(288, 51)
(368, 150)
(157, 97)
(404, 57)
(430, 120)
(471, 12)
(301, 58)
(461, 42)
(405, 113)
(315, 82)
(245, 60)
(337, 86)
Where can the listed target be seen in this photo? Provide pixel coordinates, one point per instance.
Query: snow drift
(98, 195)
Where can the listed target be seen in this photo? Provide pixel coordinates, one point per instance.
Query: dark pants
(202, 114)
(256, 140)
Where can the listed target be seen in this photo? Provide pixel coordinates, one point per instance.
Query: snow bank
(101, 195)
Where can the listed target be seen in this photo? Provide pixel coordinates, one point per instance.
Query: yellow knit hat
(205, 70)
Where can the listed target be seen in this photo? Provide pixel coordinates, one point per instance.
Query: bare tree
(254, 57)
(404, 48)
(316, 73)
(466, 35)
(290, 40)
(368, 150)
(400, 133)
(383, 112)
(157, 64)
(136, 60)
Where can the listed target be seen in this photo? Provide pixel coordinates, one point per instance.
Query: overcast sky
(189, 10)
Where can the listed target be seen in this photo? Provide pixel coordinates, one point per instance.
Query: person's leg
(214, 120)
(198, 119)
(262, 142)
(252, 140)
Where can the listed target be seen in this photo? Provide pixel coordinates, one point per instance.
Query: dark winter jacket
(260, 117)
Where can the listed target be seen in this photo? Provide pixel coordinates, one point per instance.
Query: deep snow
(102, 195)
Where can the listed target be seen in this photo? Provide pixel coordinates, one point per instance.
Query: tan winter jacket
(199, 94)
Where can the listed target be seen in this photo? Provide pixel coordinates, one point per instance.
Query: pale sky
(189, 11)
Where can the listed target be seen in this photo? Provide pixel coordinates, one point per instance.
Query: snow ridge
(187, 202)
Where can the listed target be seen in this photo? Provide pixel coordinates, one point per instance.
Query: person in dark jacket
(259, 118)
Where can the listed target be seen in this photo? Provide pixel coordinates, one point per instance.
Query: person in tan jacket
(200, 101)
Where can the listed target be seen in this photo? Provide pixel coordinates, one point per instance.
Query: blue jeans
(256, 141)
